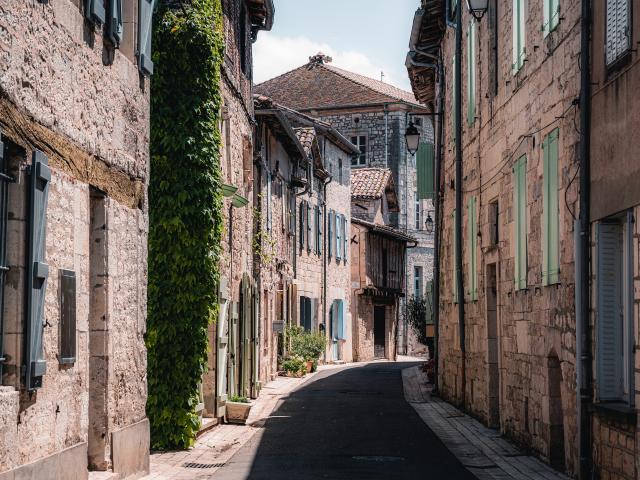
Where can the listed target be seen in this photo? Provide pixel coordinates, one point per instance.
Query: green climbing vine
(185, 213)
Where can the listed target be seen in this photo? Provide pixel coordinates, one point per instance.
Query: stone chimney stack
(319, 59)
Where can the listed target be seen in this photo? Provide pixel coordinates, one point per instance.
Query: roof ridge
(281, 75)
(333, 68)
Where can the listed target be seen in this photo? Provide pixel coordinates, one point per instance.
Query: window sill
(618, 411)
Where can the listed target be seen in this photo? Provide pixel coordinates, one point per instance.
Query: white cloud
(274, 55)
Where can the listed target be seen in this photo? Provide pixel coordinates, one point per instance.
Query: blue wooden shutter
(94, 11)
(340, 307)
(425, 165)
(338, 237)
(345, 238)
(114, 24)
(145, 31)
(609, 338)
(37, 270)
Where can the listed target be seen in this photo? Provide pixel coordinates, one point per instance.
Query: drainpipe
(386, 135)
(582, 257)
(458, 217)
(437, 222)
(325, 258)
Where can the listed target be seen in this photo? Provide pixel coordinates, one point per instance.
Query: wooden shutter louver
(425, 165)
(550, 226)
(37, 270)
(618, 30)
(609, 348)
(520, 222)
(345, 238)
(145, 28)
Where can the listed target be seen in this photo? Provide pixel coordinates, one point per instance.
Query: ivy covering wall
(185, 213)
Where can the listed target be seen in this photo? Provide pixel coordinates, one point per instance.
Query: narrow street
(347, 423)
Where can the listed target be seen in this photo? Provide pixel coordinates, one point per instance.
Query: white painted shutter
(609, 348)
(37, 270)
(618, 37)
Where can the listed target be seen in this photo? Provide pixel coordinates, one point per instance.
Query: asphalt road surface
(349, 423)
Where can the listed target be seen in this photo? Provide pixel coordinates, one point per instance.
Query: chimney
(319, 59)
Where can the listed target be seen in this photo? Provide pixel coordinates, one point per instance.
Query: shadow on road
(350, 423)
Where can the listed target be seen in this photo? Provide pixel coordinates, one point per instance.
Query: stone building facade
(74, 142)
(615, 254)
(374, 116)
(520, 81)
(304, 214)
(378, 259)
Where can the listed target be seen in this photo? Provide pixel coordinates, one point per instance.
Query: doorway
(379, 338)
(493, 371)
(556, 419)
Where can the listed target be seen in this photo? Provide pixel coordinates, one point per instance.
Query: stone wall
(520, 344)
(66, 91)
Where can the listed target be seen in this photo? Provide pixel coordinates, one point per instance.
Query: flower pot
(309, 366)
(237, 412)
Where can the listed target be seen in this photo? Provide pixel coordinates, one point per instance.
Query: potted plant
(308, 345)
(238, 408)
(294, 366)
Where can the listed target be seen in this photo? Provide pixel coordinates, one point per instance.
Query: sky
(363, 36)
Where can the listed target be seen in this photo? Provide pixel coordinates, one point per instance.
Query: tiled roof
(369, 183)
(320, 85)
(385, 230)
(306, 136)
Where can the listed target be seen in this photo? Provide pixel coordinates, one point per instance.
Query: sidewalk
(213, 449)
(483, 451)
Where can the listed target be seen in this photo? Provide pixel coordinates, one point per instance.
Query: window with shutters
(472, 245)
(494, 222)
(550, 214)
(518, 29)
(618, 30)
(359, 141)
(330, 233)
(417, 281)
(520, 222)
(471, 72)
(306, 313)
(614, 309)
(551, 16)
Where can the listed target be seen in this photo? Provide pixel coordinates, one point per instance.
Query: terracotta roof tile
(369, 183)
(306, 136)
(319, 85)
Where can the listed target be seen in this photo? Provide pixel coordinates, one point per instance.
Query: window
(520, 222)
(494, 222)
(618, 30)
(360, 141)
(340, 171)
(614, 299)
(518, 28)
(305, 313)
(417, 282)
(309, 222)
(472, 233)
(471, 72)
(551, 16)
(418, 211)
(550, 214)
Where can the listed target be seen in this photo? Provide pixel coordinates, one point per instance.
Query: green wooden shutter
(425, 165)
(472, 232)
(454, 257)
(518, 29)
(551, 15)
(114, 24)
(429, 302)
(94, 11)
(520, 222)
(471, 72)
(309, 228)
(303, 213)
(37, 270)
(145, 30)
(609, 336)
(330, 233)
(550, 224)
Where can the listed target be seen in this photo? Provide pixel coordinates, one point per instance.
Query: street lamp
(478, 8)
(412, 137)
(428, 224)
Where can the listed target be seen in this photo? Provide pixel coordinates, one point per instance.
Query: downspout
(437, 221)
(458, 184)
(386, 135)
(325, 258)
(583, 290)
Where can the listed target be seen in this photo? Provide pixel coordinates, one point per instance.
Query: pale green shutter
(550, 227)
(453, 100)
(472, 237)
(114, 24)
(425, 164)
(471, 72)
(518, 29)
(551, 15)
(520, 222)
